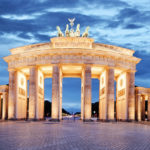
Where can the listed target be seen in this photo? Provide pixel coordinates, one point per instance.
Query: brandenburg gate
(71, 55)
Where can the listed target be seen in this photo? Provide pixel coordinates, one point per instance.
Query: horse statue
(85, 34)
(67, 31)
(60, 34)
(77, 33)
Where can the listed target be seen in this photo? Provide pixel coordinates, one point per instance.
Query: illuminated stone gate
(71, 56)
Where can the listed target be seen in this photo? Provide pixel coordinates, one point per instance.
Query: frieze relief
(121, 93)
(22, 92)
(21, 99)
(72, 45)
(102, 91)
(41, 91)
(121, 99)
(51, 59)
(3, 90)
(102, 99)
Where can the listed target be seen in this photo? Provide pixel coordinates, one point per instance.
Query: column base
(125, 120)
(87, 120)
(54, 120)
(33, 119)
(12, 119)
(130, 120)
(106, 120)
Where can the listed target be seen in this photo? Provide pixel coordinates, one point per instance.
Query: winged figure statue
(71, 21)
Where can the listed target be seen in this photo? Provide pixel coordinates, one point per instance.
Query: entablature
(3, 89)
(71, 59)
(75, 52)
(142, 91)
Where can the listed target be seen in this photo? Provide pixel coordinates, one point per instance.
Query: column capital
(108, 67)
(33, 66)
(12, 70)
(87, 65)
(143, 96)
(130, 71)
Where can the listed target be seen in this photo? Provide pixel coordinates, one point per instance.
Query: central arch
(71, 94)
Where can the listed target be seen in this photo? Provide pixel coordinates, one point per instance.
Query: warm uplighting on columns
(102, 96)
(40, 95)
(60, 92)
(36, 94)
(106, 94)
(32, 92)
(87, 92)
(55, 93)
(82, 95)
(148, 108)
(122, 97)
(0, 107)
(5, 106)
(138, 107)
(110, 93)
(12, 94)
(21, 96)
(131, 96)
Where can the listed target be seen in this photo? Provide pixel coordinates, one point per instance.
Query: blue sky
(124, 23)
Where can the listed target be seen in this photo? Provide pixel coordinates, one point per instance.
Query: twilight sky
(124, 23)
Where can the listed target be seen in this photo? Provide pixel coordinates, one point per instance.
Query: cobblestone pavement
(69, 135)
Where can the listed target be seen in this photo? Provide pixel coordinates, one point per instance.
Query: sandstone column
(21, 96)
(40, 96)
(138, 107)
(148, 108)
(131, 95)
(36, 94)
(143, 108)
(60, 86)
(56, 93)
(106, 100)
(122, 97)
(5, 106)
(87, 92)
(110, 92)
(0, 107)
(33, 92)
(82, 95)
(12, 94)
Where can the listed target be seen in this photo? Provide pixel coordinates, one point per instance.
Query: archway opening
(47, 97)
(95, 98)
(71, 98)
(146, 109)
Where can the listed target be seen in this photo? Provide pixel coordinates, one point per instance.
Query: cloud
(143, 73)
(123, 23)
(133, 26)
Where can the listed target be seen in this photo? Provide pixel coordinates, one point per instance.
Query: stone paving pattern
(69, 135)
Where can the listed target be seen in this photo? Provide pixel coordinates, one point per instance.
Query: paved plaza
(69, 135)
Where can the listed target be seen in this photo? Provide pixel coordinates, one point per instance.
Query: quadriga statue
(60, 34)
(85, 34)
(77, 33)
(67, 31)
